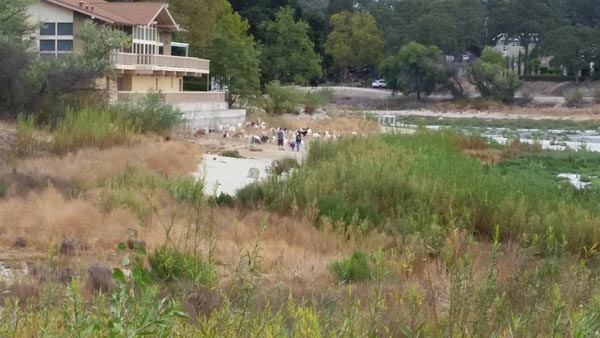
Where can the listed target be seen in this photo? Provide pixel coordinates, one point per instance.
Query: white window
(56, 38)
(146, 40)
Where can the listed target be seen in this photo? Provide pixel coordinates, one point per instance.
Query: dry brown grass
(47, 217)
(292, 250)
(172, 157)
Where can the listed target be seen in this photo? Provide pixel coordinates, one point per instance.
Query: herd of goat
(260, 133)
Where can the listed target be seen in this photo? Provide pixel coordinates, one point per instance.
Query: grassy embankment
(413, 238)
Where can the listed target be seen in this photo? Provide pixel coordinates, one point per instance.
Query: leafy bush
(231, 153)
(352, 269)
(283, 165)
(490, 77)
(574, 99)
(147, 114)
(251, 194)
(281, 99)
(169, 264)
(222, 199)
(314, 99)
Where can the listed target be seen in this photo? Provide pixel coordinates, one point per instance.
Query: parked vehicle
(379, 83)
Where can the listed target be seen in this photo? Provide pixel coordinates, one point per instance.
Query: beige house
(148, 65)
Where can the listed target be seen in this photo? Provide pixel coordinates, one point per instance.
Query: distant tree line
(251, 43)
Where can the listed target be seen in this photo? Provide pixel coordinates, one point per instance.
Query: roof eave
(81, 11)
(165, 7)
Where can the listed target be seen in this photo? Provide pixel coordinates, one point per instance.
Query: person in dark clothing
(298, 140)
(280, 138)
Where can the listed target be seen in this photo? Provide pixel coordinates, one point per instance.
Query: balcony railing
(179, 97)
(159, 62)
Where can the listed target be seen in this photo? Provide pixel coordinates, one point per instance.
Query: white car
(379, 84)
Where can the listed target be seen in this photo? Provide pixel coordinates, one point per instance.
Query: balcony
(179, 97)
(159, 64)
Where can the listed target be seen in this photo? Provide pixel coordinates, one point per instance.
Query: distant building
(511, 46)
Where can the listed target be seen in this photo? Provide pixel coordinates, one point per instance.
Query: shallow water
(555, 139)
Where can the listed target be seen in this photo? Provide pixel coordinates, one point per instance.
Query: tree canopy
(355, 40)
(235, 60)
(288, 54)
(415, 69)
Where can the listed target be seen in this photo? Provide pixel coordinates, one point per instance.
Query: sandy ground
(228, 175)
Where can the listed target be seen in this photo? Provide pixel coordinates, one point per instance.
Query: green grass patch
(469, 123)
(424, 183)
(352, 269)
(169, 264)
(131, 188)
(96, 127)
(231, 153)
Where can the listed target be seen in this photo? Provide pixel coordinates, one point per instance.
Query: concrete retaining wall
(198, 116)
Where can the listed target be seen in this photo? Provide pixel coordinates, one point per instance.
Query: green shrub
(574, 99)
(147, 114)
(283, 165)
(281, 99)
(314, 99)
(222, 199)
(88, 127)
(169, 264)
(231, 153)
(251, 194)
(352, 269)
(425, 183)
(184, 188)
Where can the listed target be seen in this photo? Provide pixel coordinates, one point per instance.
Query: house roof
(123, 13)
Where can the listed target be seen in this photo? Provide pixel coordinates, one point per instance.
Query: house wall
(41, 11)
(145, 83)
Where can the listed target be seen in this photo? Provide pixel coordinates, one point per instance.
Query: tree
(572, 47)
(584, 12)
(452, 25)
(288, 54)
(55, 84)
(530, 20)
(199, 18)
(235, 60)
(415, 69)
(488, 74)
(355, 41)
(15, 54)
